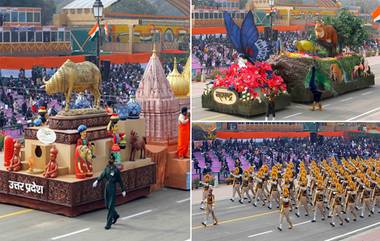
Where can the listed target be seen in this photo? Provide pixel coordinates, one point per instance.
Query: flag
(106, 29)
(93, 31)
(376, 15)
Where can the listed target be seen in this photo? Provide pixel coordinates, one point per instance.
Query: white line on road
(352, 232)
(195, 214)
(326, 105)
(137, 214)
(367, 93)
(70, 234)
(366, 113)
(297, 224)
(184, 200)
(289, 116)
(347, 99)
(258, 234)
(238, 206)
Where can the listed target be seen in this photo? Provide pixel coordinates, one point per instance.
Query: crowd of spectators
(22, 96)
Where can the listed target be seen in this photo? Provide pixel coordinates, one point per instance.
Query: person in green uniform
(112, 175)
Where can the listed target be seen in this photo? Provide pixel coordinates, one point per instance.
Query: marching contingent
(340, 191)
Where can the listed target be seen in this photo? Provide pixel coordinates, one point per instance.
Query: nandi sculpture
(75, 77)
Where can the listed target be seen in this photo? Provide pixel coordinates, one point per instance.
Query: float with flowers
(244, 90)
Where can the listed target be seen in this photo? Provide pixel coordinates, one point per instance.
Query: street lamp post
(271, 5)
(98, 14)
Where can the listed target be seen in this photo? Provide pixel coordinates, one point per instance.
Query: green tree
(47, 7)
(350, 29)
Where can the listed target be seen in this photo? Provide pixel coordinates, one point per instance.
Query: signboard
(224, 96)
(46, 136)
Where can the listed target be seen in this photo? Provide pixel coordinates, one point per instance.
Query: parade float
(59, 159)
(337, 73)
(244, 90)
(245, 87)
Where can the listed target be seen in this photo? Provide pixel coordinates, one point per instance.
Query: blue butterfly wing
(233, 32)
(249, 36)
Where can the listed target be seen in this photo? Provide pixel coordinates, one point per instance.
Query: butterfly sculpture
(246, 40)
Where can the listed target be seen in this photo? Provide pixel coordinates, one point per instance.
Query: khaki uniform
(210, 201)
(350, 208)
(336, 208)
(245, 189)
(274, 195)
(318, 204)
(366, 201)
(302, 200)
(236, 187)
(284, 212)
(259, 191)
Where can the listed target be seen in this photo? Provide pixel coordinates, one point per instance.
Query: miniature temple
(160, 107)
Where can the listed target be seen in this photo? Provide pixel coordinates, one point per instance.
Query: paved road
(245, 222)
(164, 215)
(354, 106)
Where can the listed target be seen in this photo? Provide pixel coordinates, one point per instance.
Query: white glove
(95, 184)
(124, 193)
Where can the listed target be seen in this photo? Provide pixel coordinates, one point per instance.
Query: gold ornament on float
(178, 84)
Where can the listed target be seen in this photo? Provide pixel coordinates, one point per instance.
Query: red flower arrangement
(251, 79)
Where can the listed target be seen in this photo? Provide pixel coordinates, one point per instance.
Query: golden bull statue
(75, 77)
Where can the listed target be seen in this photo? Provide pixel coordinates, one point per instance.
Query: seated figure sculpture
(83, 154)
(15, 164)
(51, 170)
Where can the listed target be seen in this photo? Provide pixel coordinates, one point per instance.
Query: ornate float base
(70, 196)
(240, 108)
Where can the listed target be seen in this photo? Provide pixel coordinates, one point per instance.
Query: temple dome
(179, 85)
(187, 73)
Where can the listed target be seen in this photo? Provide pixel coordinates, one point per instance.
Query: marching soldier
(210, 205)
(285, 205)
(336, 204)
(237, 180)
(350, 201)
(377, 196)
(273, 190)
(251, 180)
(206, 186)
(318, 200)
(112, 176)
(244, 186)
(302, 196)
(259, 192)
(367, 193)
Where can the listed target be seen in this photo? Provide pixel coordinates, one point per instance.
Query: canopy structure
(376, 15)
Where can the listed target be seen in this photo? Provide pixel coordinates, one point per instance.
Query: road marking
(326, 105)
(347, 99)
(297, 224)
(240, 219)
(366, 113)
(352, 232)
(70, 234)
(258, 234)
(16, 213)
(289, 116)
(136, 214)
(238, 206)
(195, 214)
(184, 200)
(210, 117)
(367, 93)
